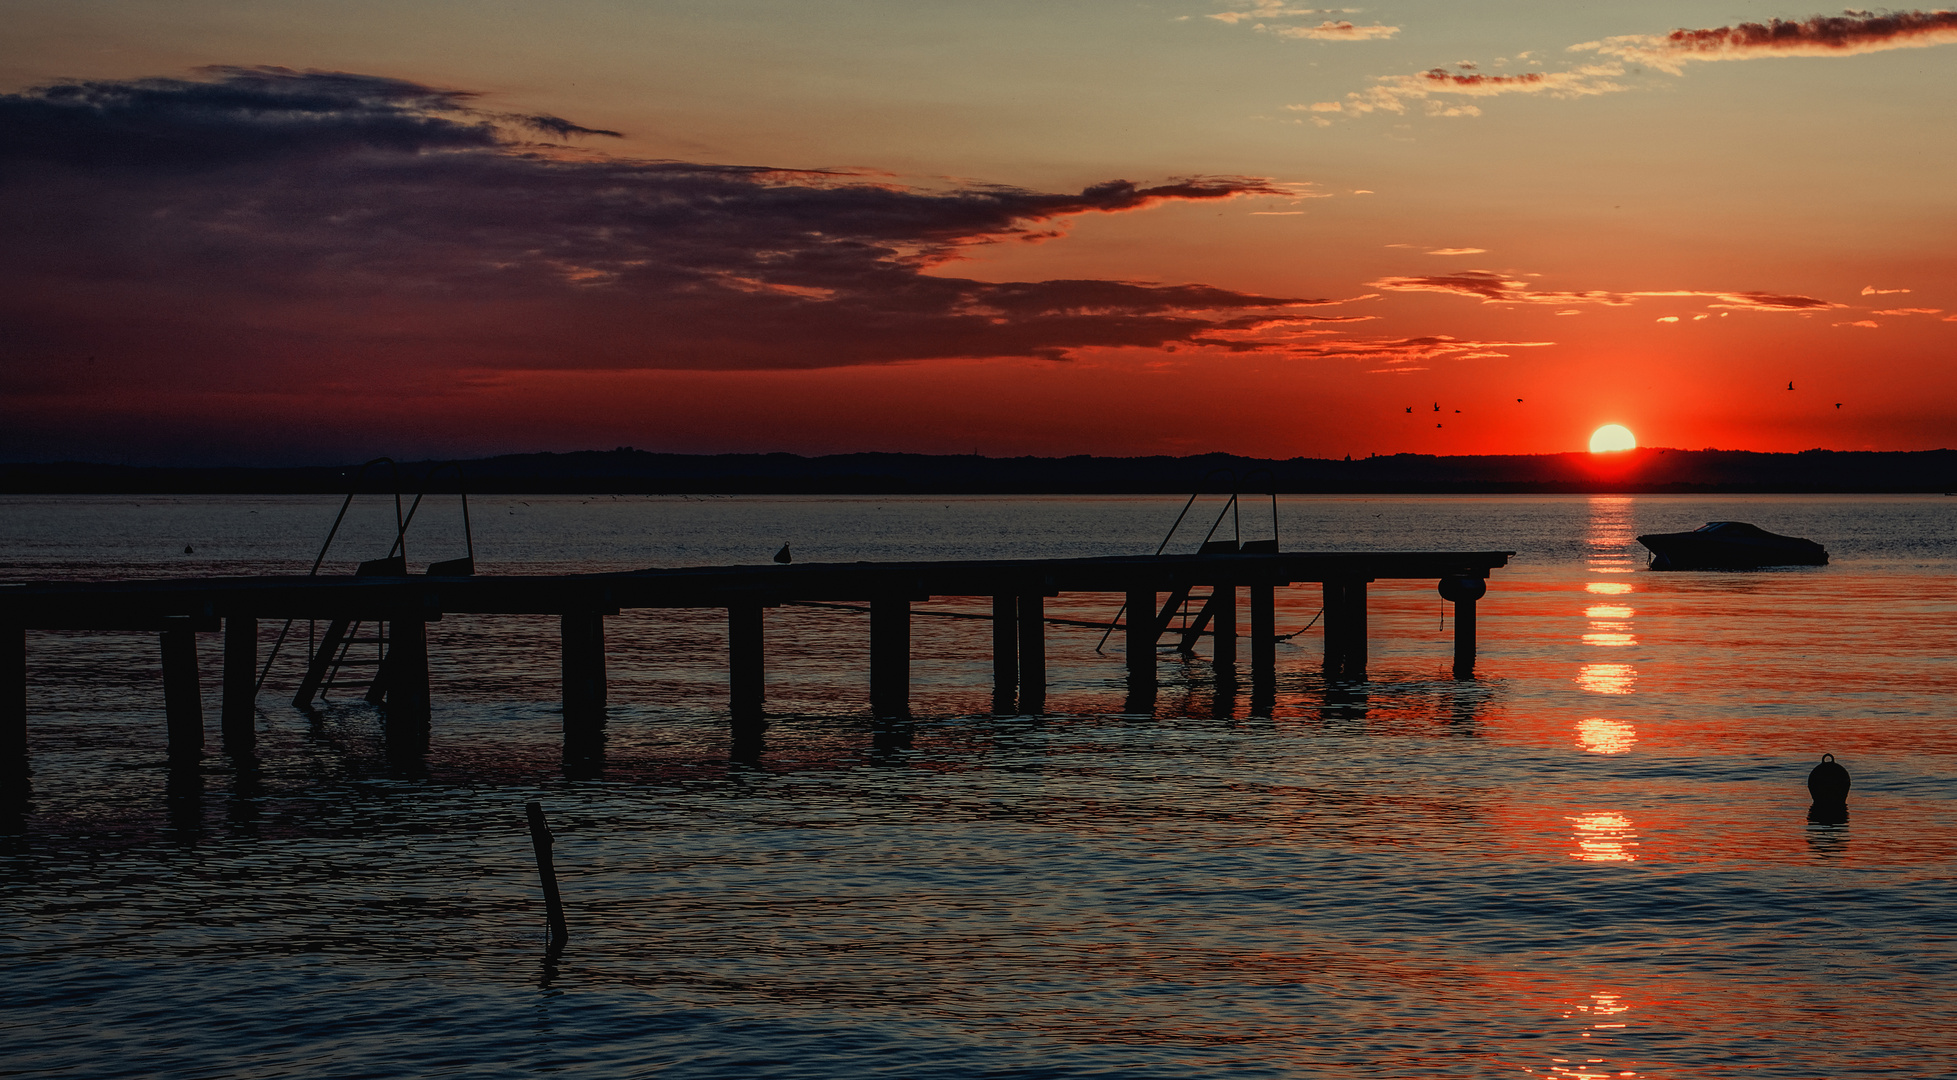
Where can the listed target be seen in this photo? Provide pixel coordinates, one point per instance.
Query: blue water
(1593, 860)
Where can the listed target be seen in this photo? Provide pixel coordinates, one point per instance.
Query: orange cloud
(1493, 288)
(1842, 35)
(1822, 35)
(1870, 290)
(1432, 89)
(1334, 31)
(1911, 311)
(1398, 351)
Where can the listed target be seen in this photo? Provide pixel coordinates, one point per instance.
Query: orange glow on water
(1606, 837)
(1607, 678)
(1600, 736)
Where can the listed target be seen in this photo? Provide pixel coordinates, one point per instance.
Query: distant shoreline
(636, 472)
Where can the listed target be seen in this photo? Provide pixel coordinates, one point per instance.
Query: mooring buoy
(783, 556)
(1828, 783)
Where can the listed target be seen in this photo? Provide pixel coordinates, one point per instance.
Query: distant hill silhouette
(627, 471)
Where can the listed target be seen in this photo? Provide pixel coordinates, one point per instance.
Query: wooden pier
(1156, 588)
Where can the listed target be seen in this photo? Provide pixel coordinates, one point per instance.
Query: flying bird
(1409, 408)
(783, 556)
(1790, 384)
(1437, 406)
(1837, 404)
(1518, 401)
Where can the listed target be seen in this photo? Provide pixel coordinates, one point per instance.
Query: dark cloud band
(265, 225)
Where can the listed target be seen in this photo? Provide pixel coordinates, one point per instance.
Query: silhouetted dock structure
(1155, 589)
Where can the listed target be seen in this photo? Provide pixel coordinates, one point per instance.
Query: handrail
(1273, 476)
(461, 488)
(1164, 545)
(400, 541)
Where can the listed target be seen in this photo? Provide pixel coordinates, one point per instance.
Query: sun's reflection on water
(1605, 837)
(1607, 678)
(1608, 588)
(1606, 1013)
(1600, 736)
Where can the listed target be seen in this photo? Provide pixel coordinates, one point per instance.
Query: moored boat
(1730, 545)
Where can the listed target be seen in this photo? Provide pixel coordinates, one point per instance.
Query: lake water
(1594, 860)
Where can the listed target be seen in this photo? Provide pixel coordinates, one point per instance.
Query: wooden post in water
(746, 675)
(13, 704)
(1140, 637)
(1032, 653)
(1345, 628)
(1005, 654)
(890, 655)
(541, 841)
(407, 684)
(183, 698)
(1464, 592)
(582, 637)
(1223, 625)
(1356, 631)
(1263, 632)
(238, 716)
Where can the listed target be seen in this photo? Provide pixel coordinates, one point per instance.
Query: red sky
(426, 229)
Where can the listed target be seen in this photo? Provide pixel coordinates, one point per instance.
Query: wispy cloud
(1333, 31)
(1823, 35)
(1870, 290)
(1441, 92)
(1263, 13)
(1459, 251)
(1398, 353)
(1494, 288)
(1273, 9)
(1911, 311)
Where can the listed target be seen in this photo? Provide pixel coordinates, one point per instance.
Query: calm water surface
(1592, 861)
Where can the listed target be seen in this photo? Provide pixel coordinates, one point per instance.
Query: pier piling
(1140, 636)
(890, 655)
(13, 704)
(1032, 653)
(407, 686)
(1263, 632)
(238, 715)
(183, 698)
(746, 675)
(1005, 654)
(1464, 592)
(583, 664)
(1223, 627)
(1345, 628)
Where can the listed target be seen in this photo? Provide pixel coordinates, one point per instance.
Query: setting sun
(1612, 437)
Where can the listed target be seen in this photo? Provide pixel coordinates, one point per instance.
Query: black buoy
(783, 556)
(1828, 783)
(188, 550)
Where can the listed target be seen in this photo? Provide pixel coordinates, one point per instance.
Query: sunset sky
(240, 232)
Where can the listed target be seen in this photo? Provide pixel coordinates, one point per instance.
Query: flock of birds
(1518, 401)
(1437, 407)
